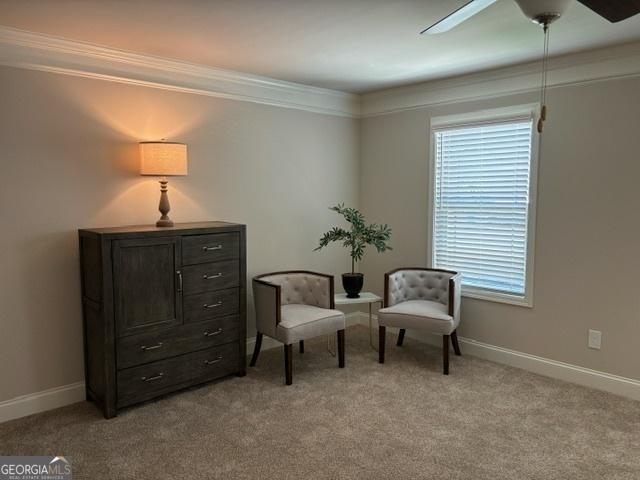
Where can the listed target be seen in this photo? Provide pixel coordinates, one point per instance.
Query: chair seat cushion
(300, 322)
(418, 314)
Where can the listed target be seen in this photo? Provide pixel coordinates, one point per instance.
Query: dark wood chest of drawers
(163, 308)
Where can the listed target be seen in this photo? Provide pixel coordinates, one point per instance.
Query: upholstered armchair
(422, 299)
(294, 306)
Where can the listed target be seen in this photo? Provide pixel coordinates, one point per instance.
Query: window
(483, 198)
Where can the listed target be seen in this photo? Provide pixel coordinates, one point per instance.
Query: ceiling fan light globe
(543, 12)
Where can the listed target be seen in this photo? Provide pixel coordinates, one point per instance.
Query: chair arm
(266, 298)
(455, 295)
(388, 300)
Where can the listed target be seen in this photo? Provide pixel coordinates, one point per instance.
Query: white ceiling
(348, 45)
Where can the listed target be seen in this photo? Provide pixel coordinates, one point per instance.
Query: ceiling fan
(542, 12)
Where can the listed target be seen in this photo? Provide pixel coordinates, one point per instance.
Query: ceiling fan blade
(613, 10)
(465, 12)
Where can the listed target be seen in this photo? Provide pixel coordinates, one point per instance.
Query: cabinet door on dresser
(147, 284)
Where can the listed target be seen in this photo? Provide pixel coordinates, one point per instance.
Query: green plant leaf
(359, 235)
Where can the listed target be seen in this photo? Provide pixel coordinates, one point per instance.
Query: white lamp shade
(163, 158)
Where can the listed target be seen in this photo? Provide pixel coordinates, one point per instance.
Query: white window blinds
(481, 203)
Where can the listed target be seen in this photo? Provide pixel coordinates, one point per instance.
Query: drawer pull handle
(212, 305)
(151, 379)
(211, 334)
(211, 277)
(211, 362)
(209, 249)
(144, 348)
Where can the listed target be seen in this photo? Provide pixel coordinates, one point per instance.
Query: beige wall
(587, 260)
(69, 160)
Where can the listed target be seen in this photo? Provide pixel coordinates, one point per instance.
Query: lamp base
(164, 222)
(164, 206)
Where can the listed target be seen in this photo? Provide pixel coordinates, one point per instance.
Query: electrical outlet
(595, 339)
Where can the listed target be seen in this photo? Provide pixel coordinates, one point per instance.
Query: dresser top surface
(191, 227)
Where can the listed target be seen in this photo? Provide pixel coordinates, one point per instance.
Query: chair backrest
(303, 288)
(419, 284)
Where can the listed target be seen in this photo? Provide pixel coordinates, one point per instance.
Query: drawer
(147, 381)
(150, 347)
(210, 305)
(210, 248)
(208, 277)
(216, 362)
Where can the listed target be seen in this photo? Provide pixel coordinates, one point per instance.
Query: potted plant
(356, 239)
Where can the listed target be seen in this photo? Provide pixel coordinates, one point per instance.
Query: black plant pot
(352, 284)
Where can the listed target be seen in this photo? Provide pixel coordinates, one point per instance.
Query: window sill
(481, 294)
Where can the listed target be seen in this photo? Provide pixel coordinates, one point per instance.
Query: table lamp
(163, 159)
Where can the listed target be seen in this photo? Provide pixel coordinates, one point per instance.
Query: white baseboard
(268, 343)
(67, 394)
(627, 387)
(41, 401)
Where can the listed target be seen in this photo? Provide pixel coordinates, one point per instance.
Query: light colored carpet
(403, 420)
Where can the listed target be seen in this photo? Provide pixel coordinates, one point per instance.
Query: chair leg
(341, 348)
(381, 342)
(401, 337)
(288, 364)
(301, 346)
(256, 350)
(454, 342)
(445, 354)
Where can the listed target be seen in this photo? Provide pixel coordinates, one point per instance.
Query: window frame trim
(482, 117)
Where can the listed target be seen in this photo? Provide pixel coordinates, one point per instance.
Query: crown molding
(586, 67)
(23, 49)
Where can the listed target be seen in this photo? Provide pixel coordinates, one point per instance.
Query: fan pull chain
(543, 91)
